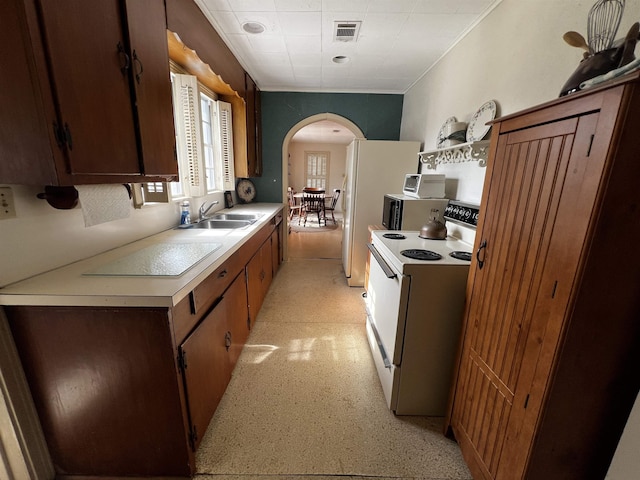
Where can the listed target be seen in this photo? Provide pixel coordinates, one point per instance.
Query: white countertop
(71, 286)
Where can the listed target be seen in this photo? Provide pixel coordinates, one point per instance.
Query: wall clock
(246, 190)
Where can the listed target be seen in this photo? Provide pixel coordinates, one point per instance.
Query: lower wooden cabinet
(209, 354)
(130, 391)
(106, 387)
(259, 276)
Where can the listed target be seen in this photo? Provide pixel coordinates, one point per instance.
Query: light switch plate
(7, 207)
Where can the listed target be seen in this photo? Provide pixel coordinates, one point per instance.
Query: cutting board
(160, 260)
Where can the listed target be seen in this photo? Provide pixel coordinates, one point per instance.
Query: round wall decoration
(246, 190)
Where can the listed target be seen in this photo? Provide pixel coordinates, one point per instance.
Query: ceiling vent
(346, 31)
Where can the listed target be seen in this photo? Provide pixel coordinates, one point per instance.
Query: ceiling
(324, 131)
(397, 41)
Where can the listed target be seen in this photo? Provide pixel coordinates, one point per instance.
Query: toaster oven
(424, 185)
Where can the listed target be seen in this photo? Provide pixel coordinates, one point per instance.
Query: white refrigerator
(374, 167)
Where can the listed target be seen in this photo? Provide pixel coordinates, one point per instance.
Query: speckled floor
(305, 400)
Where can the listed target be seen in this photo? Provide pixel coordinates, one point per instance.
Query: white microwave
(424, 185)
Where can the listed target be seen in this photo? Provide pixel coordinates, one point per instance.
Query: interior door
(513, 277)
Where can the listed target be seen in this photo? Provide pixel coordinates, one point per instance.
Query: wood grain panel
(524, 195)
(82, 41)
(97, 376)
(147, 24)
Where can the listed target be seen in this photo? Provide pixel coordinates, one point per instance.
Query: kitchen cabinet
(209, 354)
(277, 244)
(259, 276)
(546, 374)
(91, 91)
(253, 166)
(130, 390)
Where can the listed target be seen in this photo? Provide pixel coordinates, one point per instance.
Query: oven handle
(383, 353)
(385, 267)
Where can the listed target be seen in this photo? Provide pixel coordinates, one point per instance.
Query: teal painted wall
(377, 115)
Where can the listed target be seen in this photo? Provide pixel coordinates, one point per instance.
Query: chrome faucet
(202, 211)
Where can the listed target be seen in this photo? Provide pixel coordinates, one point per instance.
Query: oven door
(387, 298)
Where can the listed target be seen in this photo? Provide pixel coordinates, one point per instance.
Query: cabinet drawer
(215, 284)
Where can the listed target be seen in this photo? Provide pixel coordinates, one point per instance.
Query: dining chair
(312, 203)
(313, 190)
(294, 209)
(332, 205)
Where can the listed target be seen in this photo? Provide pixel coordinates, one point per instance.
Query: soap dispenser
(185, 213)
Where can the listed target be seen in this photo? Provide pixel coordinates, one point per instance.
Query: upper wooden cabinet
(86, 92)
(254, 138)
(547, 372)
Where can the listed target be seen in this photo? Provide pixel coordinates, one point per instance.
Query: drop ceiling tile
(437, 6)
(227, 22)
(267, 43)
(307, 71)
(303, 44)
(395, 6)
(383, 25)
(270, 59)
(300, 23)
(298, 5)
(254, 5)
(215, 5)
(306, 59)
(344, 5)
(472, 6)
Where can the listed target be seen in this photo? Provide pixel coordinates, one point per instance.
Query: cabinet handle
(125, 57)
(482, 246)
(141, 68)
(227, 340)
(223, 273)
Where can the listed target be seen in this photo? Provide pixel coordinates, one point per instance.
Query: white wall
(515, 56)
(337, 164)
(42, 238)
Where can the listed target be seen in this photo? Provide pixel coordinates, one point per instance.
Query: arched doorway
(349, 131)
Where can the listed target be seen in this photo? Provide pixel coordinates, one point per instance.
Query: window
(204, 143)
(316, 169)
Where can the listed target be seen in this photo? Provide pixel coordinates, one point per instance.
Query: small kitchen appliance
(402, 212)
(423, 185)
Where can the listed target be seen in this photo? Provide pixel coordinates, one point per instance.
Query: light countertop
(74, 285)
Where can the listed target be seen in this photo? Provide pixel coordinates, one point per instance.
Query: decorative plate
(478, 129)
(441, 134)
(246, 190)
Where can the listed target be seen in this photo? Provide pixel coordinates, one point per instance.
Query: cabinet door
(538, 172)
(206, 370)
(24, 131)
(86, 49)
(147, 26)
(259, 276)
(237, 318)
(254, 149)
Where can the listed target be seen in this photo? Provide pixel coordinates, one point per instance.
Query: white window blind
(188, 132)
(224, 132)
(316, 169)
(155, 192)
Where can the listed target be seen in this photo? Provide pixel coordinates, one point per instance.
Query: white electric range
(414, 315)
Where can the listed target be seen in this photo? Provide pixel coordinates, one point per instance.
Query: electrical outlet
(7, 207)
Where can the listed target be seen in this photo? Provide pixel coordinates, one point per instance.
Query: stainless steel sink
(236, 216)
(215, 223)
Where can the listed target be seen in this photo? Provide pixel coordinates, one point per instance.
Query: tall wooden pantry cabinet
(547, 371)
